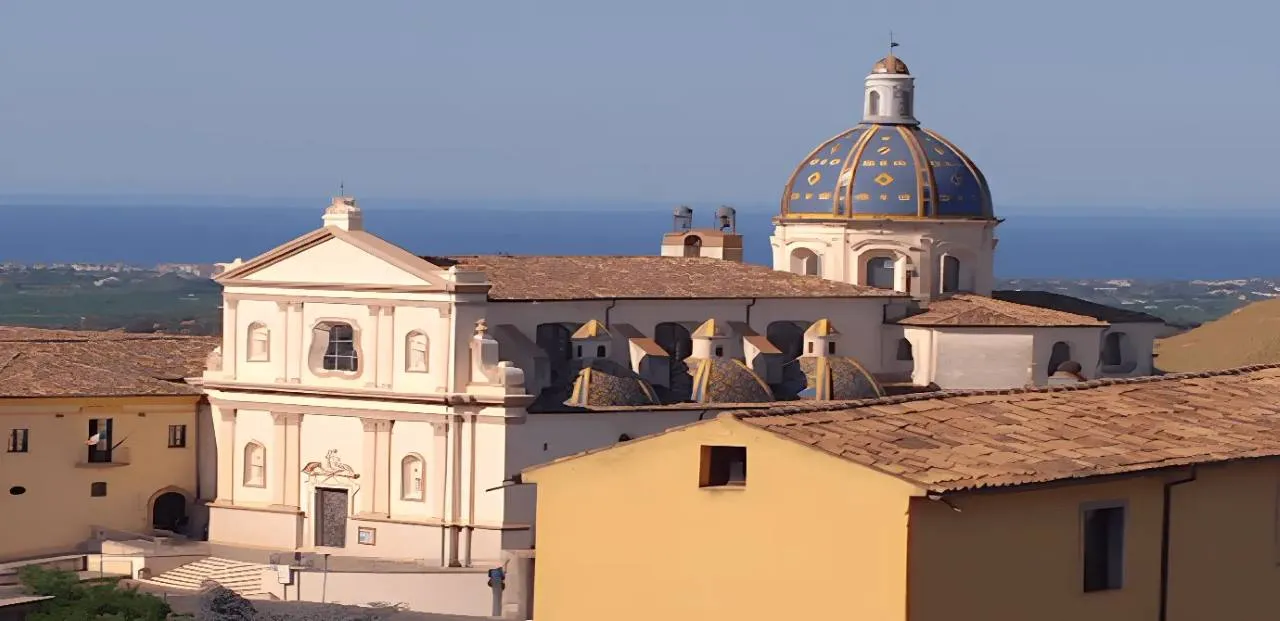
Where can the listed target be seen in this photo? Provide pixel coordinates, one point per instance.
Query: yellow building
(1151, 498)
(100, 435)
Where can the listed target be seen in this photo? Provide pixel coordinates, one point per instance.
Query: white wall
(969, 358)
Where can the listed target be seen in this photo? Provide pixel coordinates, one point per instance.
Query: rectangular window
(1103, 548)
(177, 436)
(98, 489)
(99, 441)
(723, 466)
(18, 440)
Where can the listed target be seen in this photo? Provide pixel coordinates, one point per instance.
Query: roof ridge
(786, 410)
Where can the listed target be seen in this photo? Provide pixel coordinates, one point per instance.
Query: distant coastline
(1147, 244)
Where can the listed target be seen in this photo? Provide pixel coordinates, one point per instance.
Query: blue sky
(1134, 103)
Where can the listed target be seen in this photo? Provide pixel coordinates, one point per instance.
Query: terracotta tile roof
(1068, 304)
(977, 311)
(65, 363)
(645, 277)
(956, 441)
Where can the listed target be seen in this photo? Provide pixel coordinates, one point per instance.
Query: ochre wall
(1010, 556)
(627, 534)
(57, 513)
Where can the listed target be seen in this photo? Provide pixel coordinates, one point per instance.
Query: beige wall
(1017, 555)
(57, 512)
(628, 534)
(447, 592)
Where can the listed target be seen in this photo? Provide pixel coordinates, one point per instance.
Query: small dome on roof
(605, 383)
(890, 64)
(721, 380)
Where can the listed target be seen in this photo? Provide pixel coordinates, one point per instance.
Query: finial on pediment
(482, 327)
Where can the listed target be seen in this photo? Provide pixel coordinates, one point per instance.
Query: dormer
(592, 341)
(712, 340)
(820, 339)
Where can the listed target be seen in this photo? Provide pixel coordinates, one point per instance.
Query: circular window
(17, 490)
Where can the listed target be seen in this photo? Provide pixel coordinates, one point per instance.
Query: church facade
(370, 401)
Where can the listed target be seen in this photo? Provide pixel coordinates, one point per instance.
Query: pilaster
(225, 437)
(376, 460)
(230, 336)
(386, 346)
(372, 346)
(287, 463)
(296, 352)
(280, 343)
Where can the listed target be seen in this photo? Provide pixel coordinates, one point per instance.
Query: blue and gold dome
(878, 170)
(887, 166)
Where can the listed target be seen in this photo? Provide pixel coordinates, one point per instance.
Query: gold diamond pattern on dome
(884, 178)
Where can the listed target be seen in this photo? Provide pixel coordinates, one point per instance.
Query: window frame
(716, 469)
(1115, 559)
(412, 347)
(98, 489)
(19, 440)
(247, 479)
(258, 332)
(407, 493)
(321, 340)
(101, 453)
(178, 439)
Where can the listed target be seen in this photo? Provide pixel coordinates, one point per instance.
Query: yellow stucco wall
(627, 534)
(57, 512)
(1018, 555)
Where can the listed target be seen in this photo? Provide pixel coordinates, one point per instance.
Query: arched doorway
(169, 512)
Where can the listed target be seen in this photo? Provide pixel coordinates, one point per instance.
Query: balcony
(119, 456)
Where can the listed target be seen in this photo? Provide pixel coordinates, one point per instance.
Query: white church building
(367, 401)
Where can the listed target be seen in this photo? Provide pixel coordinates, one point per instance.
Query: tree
(74, 600)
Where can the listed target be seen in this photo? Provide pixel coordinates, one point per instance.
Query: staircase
(243, 578)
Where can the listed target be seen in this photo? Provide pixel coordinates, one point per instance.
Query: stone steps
(243, 578)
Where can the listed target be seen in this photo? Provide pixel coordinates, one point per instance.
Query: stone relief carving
(331, 468)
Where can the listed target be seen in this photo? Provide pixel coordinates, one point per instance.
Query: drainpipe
(612, 303)
(747, 319)
(1165, 518)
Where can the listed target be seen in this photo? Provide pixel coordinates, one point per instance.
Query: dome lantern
(890, 92)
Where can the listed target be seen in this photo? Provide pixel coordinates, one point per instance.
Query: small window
(600, 351)
(259, 342)
(416, 352)
(17, 490)
(579, 351)
(255, 465)
(904, 351)
(1113, 349)
(950, 274)
(808, 348)
(873, 103)
(881, 273)
(177, 436)
(411, 478)
(724, 466)
(98, 489)
(1061, 353)
(340, 350)
(805, 261)
(831, 348)
(1103, 548)
(18, 440)
(719, 352)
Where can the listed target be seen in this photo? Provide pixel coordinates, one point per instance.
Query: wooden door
(331, 518)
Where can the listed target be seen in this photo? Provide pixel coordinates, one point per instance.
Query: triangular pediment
(333, 258)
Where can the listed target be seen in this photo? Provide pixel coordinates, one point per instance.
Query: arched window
(675, 339)
(259, 346)
(805, 261)
(334, 343)
(255, 465)
(904, 351)
(950, 274)
(693, 246)
(1113, 349)
(412, 474)
(415, 351)
(556, 339)
(881, 272)
(600, 351)
(1060, 354)
(873, 103)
